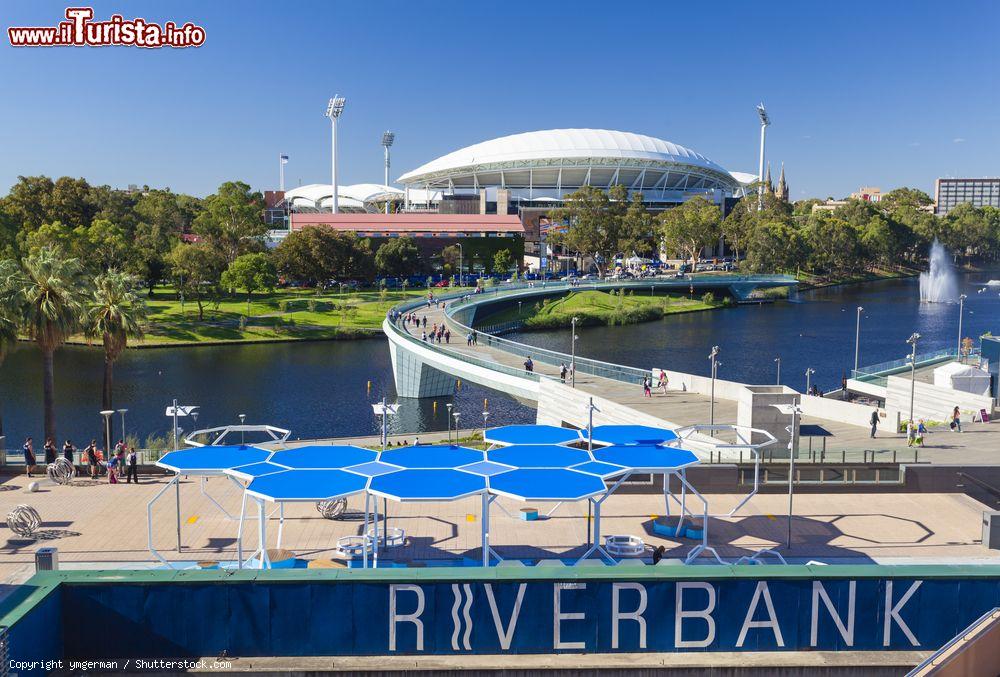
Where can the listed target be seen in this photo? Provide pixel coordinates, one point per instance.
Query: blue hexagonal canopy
(253, 470)
(538, 456)
(431, 456)
(531, 434)
(486, 468)
(428, 485)
(211, 460)
(323, 456)
(631, 434)
(546, 484)
(647, 458)
(600, 469)
(307, 485)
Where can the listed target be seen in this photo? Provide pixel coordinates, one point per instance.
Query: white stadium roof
(359, 197)
(568, 158)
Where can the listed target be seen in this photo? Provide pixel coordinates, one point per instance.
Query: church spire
(768, 184)
(782, 192)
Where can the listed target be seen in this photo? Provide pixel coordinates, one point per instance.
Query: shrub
(313, 305)
(708, 298)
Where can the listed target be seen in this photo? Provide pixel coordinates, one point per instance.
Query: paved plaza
(96, 525)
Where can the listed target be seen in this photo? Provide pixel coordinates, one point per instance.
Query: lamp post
(914, 337)
(384, 410)
(243, 418)
(107, 414)
(778, 379)
(122, 412)
(961, 312)
(712, 356)
(765, 121)
(387, 139)
(572, 351)
(795, 411)
(457, 415)
(333, 110)
(486, 415)
(519, 309)
(448, 407)
(857, 342)
(809, 372)
(461, 256)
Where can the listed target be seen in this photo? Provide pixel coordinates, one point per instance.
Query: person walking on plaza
(874, 422)
(68, 453)
(662, 385)
(529, 365)
(956, 420)
(91, 454)
(133, 467)
(562, 372)
(29, 456)
(921, 432)
(113, 469)
(50, 451)
(911, 433)
(647, 390)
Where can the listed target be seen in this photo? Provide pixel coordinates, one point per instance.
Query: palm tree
(51, 295)
(115, 315)
(9, 272)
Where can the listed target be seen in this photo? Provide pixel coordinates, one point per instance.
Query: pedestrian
(69, 453)
(572, 371)
(447, 335)
(874, 422)
(113, 469)
(562, 372)
(468, 339)
(646, 383)
(921, 432)
(662, 385)
(424, 321)
(29, 456)
(910, 433)
(423, 336)
(956, 420)
(529, 365)
(50, 451)
(133, 467)
(91, 453)
(475, 337)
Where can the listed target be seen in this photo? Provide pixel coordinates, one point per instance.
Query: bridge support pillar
(414, 378)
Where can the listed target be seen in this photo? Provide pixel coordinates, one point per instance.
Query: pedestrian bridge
(428, 369)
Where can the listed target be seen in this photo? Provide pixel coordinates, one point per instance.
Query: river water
(321, 389)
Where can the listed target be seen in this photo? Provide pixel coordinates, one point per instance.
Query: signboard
(408, 614)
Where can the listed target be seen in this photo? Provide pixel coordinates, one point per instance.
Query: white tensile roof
(556, 144)
(355, 196)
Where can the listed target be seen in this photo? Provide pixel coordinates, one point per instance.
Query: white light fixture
(333, 110)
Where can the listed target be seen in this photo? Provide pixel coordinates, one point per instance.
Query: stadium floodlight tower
(333, 110)
(765, 122)
(387, 139)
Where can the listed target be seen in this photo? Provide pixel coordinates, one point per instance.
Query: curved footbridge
(430, 369)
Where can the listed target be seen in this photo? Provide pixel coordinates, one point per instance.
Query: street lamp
(796, 412)
(385, 410)
(809, 372)
(519, 309)
(107, 414)
(914, 337)
(486, 415)
(243, 417)
(712, 356)
(461, 255)
(387, 139)
(961, 312)
(778, 360)
(456, 415)
(857, 342)
(333, 110)
(572, 351)
(122, 412)
(449, 406)
(765, 121)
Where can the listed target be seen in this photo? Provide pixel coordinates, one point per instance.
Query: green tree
(451, 256)
(51, 303)
(638, 227)
(250, 272)
(151, 248)
(317, 254)
(108, 245)
(502, 262)
(9, 275)
(690, 227)
(834, 245)
(196, 270)
(775, 246)
(115, 315)
(233, 220)
(398, 256)
(68, 240)
(594, 223)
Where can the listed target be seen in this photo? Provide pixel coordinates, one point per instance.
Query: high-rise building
(948, 193)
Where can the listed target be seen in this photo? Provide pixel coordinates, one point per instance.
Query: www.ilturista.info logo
(79, 30)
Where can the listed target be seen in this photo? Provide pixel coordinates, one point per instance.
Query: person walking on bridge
(874, 422)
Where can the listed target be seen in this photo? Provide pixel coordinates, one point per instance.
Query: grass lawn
(811, 281)
(598, 307)
(284, 315)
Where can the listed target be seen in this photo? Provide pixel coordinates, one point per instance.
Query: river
(321, 389)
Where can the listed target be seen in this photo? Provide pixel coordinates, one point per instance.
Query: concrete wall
(930, 401)
(559, 403)
(838, 410)
(679, 380)
(757, 408)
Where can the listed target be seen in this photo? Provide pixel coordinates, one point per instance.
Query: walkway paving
(978, 444)
(96, 525)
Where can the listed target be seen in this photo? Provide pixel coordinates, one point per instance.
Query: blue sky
(860, 93)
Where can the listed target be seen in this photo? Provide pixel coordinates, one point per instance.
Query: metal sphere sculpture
(61, 471)
(23, 520)
(332, 510)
